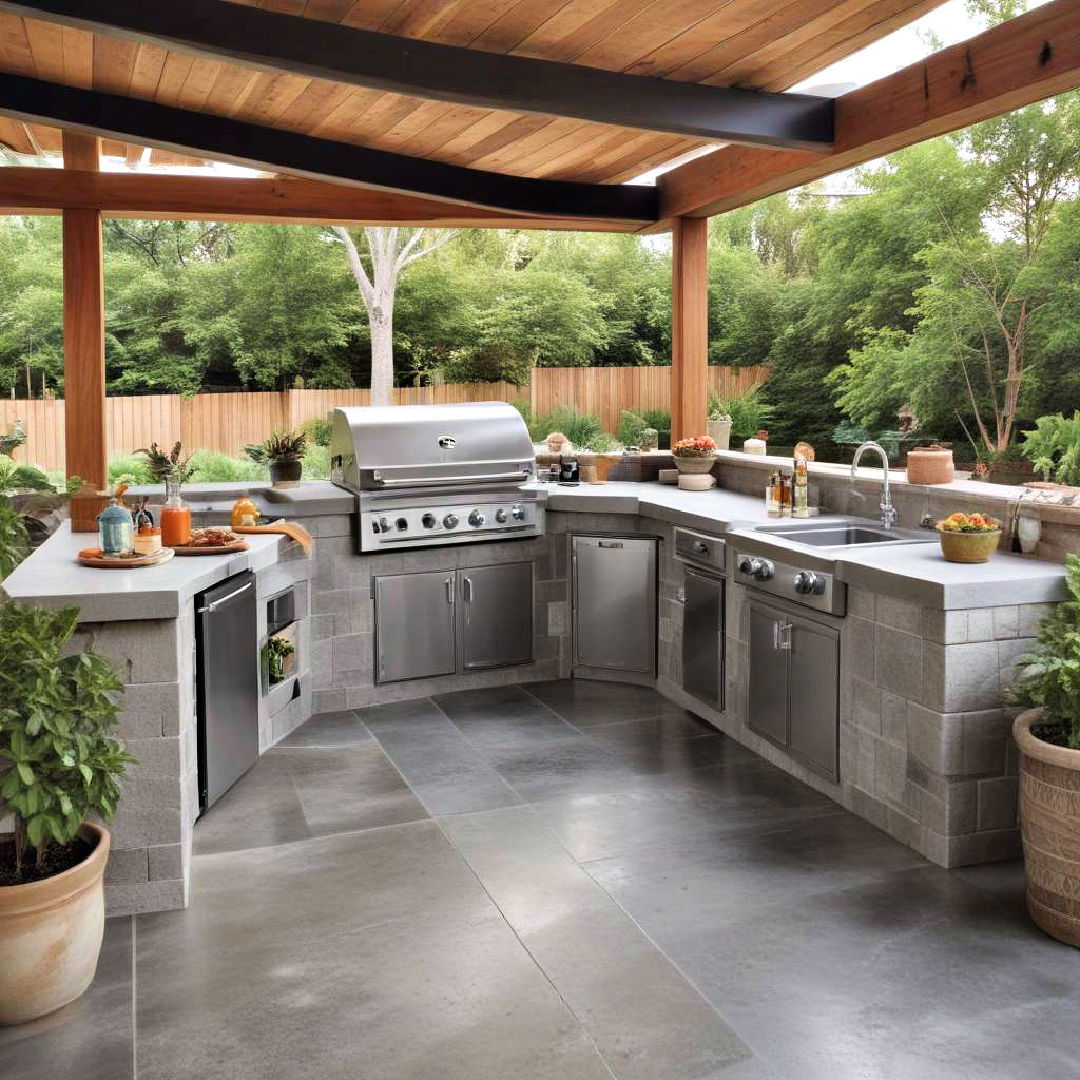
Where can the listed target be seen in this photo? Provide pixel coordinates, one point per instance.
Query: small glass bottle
(800, 507)
(785, 494)
(116, 529)
(772, 496)
(175, 517)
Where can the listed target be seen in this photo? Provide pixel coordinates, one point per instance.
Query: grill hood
(377, 448)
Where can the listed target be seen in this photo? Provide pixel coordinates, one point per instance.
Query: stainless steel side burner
(428, 475)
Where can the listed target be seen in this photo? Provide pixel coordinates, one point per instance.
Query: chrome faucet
(888, 511)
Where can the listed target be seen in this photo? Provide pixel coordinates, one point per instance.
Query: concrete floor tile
(586, 702)
(90, 1039)
(335, 729)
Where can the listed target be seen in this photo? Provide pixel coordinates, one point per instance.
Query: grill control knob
(450, 521)
(428, 521)
(476, 519)
(501, 515)
(764, 570)
(807, 583)
(746, 564)
(402, 524)
(518, 512)
(384, 525)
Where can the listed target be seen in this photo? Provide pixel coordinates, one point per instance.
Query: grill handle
(449, 481)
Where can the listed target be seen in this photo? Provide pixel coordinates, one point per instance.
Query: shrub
(317, 463)
(632, 424)
(1054, 448)
(211, 467)
(1050, 675)
(318, 430)
(57, 711)
(748, 412)
(580, 428)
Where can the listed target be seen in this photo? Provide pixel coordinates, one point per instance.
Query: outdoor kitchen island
(924, 649)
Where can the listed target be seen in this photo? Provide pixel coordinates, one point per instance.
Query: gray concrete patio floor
(564, 881)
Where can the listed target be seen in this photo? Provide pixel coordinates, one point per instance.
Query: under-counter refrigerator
(227, 684)
(614, 601)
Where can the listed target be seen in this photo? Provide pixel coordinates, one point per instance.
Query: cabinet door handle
(449, 590)
(785, 635)
(775, 635)
(468, 590)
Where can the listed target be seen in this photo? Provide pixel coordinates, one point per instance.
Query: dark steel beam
(344, 54)
(200, 134)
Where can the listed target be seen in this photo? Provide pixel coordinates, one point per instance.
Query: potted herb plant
(60, 766)
(283, 452)
(1048, 736)
(719, 426)
(694, 455)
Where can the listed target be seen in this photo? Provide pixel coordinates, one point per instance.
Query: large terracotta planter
(1050, 826)
(50, 936)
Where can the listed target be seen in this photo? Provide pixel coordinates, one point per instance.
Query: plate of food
(211, 541)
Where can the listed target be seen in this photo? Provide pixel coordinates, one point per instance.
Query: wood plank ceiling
(756, 44)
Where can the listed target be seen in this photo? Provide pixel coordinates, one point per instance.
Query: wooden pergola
(508, 113)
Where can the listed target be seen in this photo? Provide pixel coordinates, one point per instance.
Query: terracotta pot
(968, 547)
(695, 464)
(50, 936)
(286, 473)
(720, 433)
(930, 465)
(1050, 827)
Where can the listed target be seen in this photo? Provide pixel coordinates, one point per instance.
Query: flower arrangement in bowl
(694, 455)
(968, 538)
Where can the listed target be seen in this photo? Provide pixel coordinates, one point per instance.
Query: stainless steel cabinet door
(615, 603)
(496, 613)
(813, 697)
(703, 638)
(768, 705)
(414, 625)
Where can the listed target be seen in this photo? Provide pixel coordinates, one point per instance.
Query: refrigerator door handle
(206, 609)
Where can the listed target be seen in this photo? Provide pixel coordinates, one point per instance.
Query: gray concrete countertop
(309, 499)
(51, 576)
(916, 572)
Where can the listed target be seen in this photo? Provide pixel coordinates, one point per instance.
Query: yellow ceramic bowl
(974, 547)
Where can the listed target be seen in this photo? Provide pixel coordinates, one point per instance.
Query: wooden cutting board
(103, 562)
(208, 549)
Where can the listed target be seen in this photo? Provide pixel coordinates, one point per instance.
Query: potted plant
(694, 455)
(719, 425)
(1048, 736)
(283, 452)
(60, 766)
(969, 538)
(746, 413)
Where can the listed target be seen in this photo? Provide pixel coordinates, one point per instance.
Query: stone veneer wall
(149, 865)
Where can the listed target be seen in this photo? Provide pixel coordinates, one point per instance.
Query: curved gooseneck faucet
(888, 511)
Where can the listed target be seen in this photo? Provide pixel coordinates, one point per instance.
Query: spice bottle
(800, 507)
(772, 496)
(785, 494)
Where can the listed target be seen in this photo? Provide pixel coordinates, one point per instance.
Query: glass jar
(148, 540)
(175, 517)
(244, 513)
(116, 529)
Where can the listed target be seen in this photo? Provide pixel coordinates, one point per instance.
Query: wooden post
(86, 453)
(689, 327)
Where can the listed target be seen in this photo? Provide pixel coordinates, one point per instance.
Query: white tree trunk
(391, 250)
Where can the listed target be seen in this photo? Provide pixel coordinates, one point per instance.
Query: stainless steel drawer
(700, 549)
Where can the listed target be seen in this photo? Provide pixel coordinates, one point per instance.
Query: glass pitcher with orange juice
(175, 517)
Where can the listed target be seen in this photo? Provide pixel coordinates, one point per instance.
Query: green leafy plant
(747, 412)
(318, 430)
(600, 443)
(633, 424)
(278, 650)
(282, 446)
(1049, 676)
(171, 466)
(1054, 448)
(57, 713)
(580, 428)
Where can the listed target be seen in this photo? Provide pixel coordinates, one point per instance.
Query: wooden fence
(226, 422)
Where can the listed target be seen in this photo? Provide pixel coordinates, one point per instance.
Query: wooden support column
(689, 326)
(86, 453)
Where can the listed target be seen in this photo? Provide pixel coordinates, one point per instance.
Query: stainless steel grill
(436, 474)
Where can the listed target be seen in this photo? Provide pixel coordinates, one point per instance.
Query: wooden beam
(277, 200)
(292, 45)
(273, 150)
(689, 327)
(86, 448)
(1011, 65)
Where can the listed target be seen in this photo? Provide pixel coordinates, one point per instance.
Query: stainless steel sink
(842, 534)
